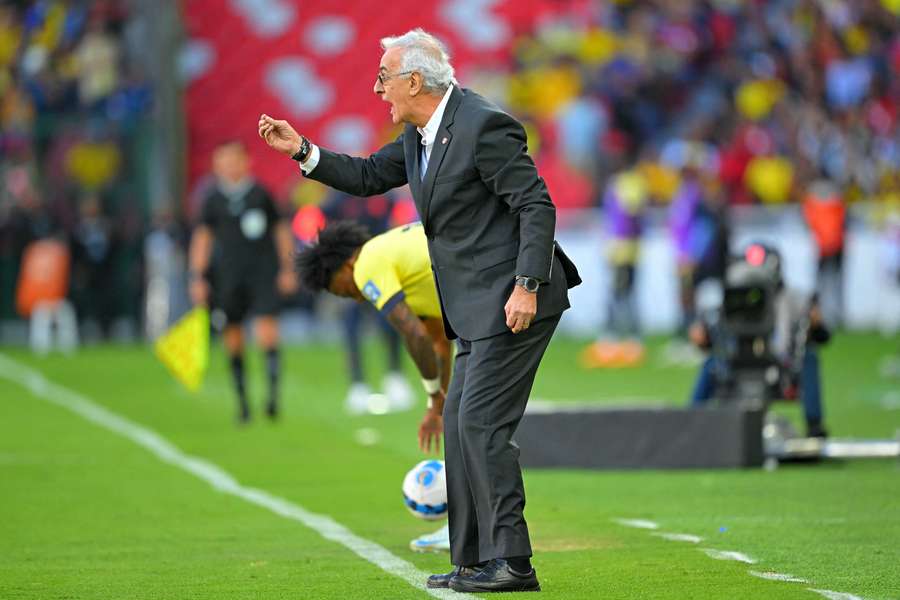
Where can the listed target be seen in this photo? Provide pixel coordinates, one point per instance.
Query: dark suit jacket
(486, 212)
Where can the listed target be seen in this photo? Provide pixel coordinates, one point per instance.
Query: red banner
(314, 64)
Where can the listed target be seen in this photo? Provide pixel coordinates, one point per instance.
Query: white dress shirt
(429, 132)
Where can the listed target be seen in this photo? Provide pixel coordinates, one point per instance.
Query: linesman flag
(184, 349)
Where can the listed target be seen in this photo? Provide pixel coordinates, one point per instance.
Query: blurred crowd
(766, 97)
(690, 106)
(73, 102)
(699, 106)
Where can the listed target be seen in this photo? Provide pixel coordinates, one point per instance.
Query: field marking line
(835, 595)
(637, 523)
(728, 555)
(773, 576)
(215, 476)
(678, 537)
(731, 555)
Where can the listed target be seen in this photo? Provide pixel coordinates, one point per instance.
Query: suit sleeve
(507, 170)
(380, 172)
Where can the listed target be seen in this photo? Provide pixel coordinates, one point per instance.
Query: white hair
(426, 55)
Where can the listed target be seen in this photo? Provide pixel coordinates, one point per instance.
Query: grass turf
(88, 514)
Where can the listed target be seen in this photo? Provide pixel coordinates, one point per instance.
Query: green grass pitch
(88, 514)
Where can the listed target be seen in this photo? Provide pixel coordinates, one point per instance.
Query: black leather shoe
(443, 580)
(496, 576)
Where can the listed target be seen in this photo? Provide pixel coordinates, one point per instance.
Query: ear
(415, 83)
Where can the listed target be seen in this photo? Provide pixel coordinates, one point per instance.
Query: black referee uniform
(244, 270)
(245, 259)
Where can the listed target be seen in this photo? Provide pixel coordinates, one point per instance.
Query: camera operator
(767, 335)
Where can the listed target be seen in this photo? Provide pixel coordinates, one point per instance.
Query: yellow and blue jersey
(395, 266)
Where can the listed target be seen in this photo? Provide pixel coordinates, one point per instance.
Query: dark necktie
(423, 164)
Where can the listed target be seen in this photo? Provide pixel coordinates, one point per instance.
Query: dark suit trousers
(491, 382)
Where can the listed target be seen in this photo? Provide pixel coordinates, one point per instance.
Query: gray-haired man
(501, 279)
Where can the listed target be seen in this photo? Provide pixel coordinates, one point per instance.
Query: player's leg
(265, 303)
(438, 541)
(811, 394)
(705, 384)
(234, 303)
(357, 401)
(267, 337)
(233, 337)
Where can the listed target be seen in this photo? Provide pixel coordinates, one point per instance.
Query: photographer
(766, 338)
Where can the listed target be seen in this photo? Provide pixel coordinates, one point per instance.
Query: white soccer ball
(425, 490)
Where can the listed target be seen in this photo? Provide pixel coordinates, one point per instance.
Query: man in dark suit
(502, 282)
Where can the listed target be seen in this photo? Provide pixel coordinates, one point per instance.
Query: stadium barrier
(586, 436)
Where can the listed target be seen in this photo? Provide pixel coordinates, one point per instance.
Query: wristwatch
(303, 153)
(530, 284)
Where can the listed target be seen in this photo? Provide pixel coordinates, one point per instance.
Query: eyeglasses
(382, 77)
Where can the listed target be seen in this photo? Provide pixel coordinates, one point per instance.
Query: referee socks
(273, 370)
(237, 375)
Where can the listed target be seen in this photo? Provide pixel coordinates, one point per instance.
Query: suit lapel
(441, 142)
(412, 146)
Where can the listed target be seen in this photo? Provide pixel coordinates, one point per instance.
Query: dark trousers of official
(491, 382)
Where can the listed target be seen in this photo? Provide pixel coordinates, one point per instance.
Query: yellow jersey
(395, 266)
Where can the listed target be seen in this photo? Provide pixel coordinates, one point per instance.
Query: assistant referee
(245, 247)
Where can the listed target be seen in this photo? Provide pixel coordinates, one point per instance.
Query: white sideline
(835, 595)
(637, 523)
(772, 576)
(678, 537)
(729, 555)
(324, 525)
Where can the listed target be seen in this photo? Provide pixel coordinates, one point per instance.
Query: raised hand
(279, 135)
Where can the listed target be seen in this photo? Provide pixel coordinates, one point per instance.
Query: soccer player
(253, 250)
(393, 272)
(376, 214)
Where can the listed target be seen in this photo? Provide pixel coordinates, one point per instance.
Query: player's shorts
(241, 297)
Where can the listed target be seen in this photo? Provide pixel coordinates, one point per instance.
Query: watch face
(531, 285)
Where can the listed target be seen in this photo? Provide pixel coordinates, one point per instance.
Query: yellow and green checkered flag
(184, 349)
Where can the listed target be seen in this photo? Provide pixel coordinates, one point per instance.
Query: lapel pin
(444, 141)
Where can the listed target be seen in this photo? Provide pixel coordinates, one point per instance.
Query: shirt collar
(429, 132)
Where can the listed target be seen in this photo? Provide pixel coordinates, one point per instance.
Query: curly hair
(317, 264)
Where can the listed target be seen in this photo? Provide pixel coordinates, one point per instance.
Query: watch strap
(531, 284)
(303, 153)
